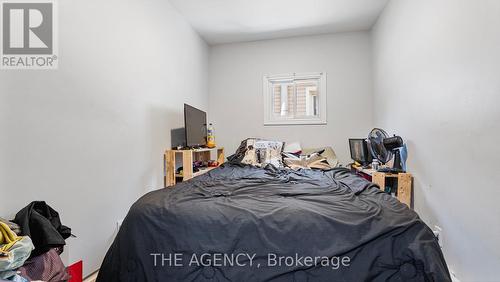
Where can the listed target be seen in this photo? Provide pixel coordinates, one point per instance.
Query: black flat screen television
(360, 152)
(195, 123)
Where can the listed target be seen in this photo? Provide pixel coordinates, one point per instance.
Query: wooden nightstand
(173, 157)
(403, 182)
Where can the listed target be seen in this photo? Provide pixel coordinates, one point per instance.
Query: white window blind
(295, 99)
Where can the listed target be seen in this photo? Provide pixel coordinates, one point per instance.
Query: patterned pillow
(259, 152)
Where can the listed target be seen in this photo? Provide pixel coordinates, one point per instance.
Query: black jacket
(42, 224)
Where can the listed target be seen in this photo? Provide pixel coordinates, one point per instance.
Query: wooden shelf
(199, 150)
(371, 171)
(404, 182)
(202, 171)
(170, 158)
(404, 185)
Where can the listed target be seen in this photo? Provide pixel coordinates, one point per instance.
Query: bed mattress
(241, 223)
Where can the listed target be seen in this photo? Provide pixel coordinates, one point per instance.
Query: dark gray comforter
(240, 223)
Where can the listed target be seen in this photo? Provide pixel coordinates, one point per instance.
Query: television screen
(195, 123)
(359, 151)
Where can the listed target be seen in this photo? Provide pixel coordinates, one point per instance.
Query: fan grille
(377, 148)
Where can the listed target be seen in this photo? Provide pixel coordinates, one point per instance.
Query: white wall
(437, 83)
(236, 98)
(88, 138)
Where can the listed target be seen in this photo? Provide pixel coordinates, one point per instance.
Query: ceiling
(227, 21)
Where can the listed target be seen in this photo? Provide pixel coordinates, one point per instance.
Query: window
(295, 99)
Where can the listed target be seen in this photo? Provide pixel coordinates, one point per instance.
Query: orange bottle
(210, 136)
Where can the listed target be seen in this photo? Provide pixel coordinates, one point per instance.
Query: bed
(244, 223)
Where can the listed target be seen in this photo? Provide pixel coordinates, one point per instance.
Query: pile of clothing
(30, 245)
(261, 152)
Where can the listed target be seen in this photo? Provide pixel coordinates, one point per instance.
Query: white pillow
(261, 152)
(293, 147)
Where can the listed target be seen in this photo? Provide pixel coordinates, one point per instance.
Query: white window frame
(270, 119)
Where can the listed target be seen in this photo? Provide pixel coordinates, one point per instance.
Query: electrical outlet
(438, 232)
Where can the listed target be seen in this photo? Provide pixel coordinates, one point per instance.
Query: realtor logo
(28, 35)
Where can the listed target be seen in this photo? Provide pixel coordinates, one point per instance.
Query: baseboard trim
(92, 277)
(454, 277)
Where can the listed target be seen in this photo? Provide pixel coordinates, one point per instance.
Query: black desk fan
(383, 148)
